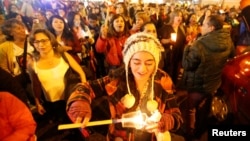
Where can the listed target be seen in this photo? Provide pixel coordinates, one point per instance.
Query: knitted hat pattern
(142, 42)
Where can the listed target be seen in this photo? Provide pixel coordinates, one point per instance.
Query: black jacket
(10, 84)
(204, 60)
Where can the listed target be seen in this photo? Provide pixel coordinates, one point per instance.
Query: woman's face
(61, 12)
(119, 24)
(19, 18)
(39, 16)
(14, 9)
(48, 14)
(119, 9)
(142, 65)
(18, 31)
(193, 19)
(150, 28)
(58, 25)
(77, 20)
(139, 21)
(178, 18)
(42, 43)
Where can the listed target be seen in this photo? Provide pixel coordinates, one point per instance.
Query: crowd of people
(77, 63)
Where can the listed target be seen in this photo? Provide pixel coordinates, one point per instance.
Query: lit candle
(173, 37)
(133, 119)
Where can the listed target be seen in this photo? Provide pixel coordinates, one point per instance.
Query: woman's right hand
(136, 27)
(80, 112)
(40, 109)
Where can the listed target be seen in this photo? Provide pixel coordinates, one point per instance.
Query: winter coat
(114, 86)
(112, 48)
(204, 60)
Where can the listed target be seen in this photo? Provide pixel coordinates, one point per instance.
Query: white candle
(173, 37)
(79, 125)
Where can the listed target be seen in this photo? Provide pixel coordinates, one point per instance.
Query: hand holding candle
(132, 120)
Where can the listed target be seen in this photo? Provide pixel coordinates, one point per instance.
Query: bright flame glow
(173, 36)
(134, 120)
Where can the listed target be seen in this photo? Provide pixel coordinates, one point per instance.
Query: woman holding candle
(138, 85)
(173, 38)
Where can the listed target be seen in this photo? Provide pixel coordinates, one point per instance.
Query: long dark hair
(67, 34)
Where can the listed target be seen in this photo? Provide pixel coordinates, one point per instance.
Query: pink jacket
(16, 120)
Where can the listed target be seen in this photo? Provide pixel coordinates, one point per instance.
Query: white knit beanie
(142, 42)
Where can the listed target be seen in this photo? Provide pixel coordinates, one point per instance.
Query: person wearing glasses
(48, 76)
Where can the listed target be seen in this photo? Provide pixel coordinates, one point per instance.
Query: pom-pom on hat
(141, 42)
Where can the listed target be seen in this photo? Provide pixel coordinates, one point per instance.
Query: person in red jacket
(16, 120)
(111, 41)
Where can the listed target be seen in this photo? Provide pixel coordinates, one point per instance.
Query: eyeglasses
(43, 41)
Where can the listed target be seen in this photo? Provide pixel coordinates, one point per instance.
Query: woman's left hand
(166, 122)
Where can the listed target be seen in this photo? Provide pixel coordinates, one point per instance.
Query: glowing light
(173, 37)
(26, 32)
(134, 120)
